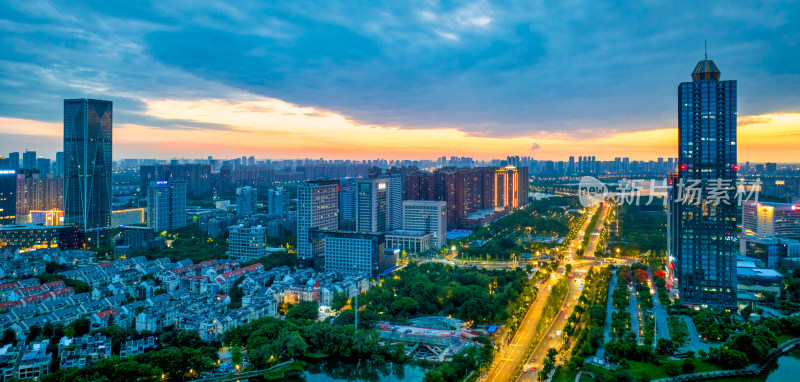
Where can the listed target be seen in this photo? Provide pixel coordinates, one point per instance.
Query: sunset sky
(416, 79)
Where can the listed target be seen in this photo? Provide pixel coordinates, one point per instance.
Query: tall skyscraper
(371, 208)
(8, 196)
(58, 171)
(246, 201)
(43, 165)
(703, 228)
(29, 160)
(13, 159)
(166, 205)
(317, 208)
(87, 166)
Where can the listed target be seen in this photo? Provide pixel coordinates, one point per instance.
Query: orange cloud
(271, 128)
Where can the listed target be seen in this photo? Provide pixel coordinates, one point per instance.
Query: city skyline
(480, 80)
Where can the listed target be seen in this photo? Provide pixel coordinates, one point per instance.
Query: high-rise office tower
(371, 209)
(166, 205)
(275, 200)
(8, 196)
(13, 160)
(347, 204)
(87, 166)
(703, 230)
(58, 171)
(394, 202)
(29, 160)
(246, 201)
(43, 165)
(317, 208)
(571, 167)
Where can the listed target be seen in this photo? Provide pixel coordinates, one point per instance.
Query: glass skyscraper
(702, 243)
(87, 167)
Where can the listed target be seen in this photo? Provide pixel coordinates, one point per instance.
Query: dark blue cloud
(488, 68)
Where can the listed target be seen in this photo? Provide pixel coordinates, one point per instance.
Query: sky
(395, 79)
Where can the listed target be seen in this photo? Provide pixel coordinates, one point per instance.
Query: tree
(672, 369)
(688, 366)
(597, 314)
(291, 344)
(236, 355)
(434, 376)
(339, 300)
(568, 268)
(9, 337)
(306, 310)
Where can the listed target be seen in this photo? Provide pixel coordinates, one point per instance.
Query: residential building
(275, 201)
(166, 205)
(703, 229)
(246, 201)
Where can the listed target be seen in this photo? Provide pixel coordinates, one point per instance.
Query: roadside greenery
(584, 329)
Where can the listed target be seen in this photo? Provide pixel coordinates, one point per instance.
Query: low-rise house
(83, 351)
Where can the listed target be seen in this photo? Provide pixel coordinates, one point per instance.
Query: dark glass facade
(8, 196)
(703, 229)
(87, 167)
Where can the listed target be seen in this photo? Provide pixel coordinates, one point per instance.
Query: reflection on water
(355, 372)
(786, 369)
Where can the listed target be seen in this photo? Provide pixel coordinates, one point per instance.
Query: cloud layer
(489, 69)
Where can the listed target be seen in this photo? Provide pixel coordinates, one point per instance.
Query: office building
(768, 250)
(347, 204)
(166, 205)
(764, 219)
(44, 166)
(248, 242)
(371, 207)
(47, 218)
(32, 236)
(275, 201)
(87, 166)
(703, 232)
(8, 196)
(394, 201)
(58, 169)
(349, 252)
(197, 176)
(429, 216)
(317, 208)
(246, 201)
(129, 216)
(409, 241)
(29, 160)
(13, 160)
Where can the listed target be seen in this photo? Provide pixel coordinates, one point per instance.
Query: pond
(356, 372)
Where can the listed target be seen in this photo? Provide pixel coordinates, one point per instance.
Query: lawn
(564, 375)
(646, 371)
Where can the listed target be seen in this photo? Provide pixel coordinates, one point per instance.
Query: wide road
(551, 339)
(512, 357)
